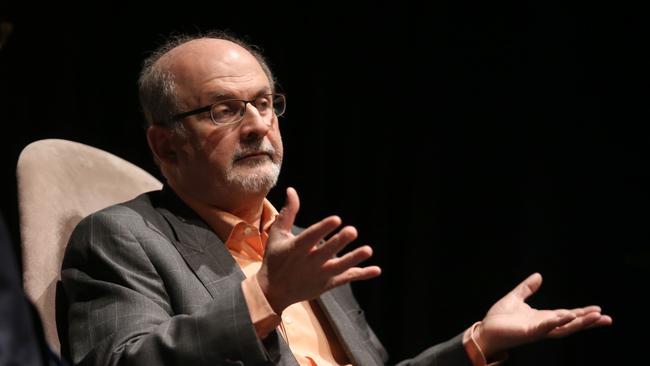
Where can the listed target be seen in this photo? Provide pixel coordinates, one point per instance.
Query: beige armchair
(59, 183)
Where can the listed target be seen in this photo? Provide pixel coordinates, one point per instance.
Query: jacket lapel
(206, 254)
(355, 346)
(201, 248)
(213, 265)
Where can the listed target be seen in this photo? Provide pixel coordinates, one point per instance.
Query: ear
(162, 144)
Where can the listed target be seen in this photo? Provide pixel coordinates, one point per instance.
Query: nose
(254, 126)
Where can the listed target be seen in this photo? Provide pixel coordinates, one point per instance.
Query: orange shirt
(303, 325)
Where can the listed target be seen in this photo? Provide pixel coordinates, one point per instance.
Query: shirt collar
(223, 222)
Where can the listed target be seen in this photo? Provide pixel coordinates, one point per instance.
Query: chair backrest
(59, 183)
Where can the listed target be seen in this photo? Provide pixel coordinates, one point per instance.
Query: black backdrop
(471, 143)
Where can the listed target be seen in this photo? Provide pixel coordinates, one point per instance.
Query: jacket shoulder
(139, 206)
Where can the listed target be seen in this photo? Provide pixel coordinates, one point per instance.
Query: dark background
(471, 143)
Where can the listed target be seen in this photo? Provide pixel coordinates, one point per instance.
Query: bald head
(222, 165)
(167, 75)
(197, 65)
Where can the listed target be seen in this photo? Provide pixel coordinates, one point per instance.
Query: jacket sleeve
(449, 353)
(119, 311)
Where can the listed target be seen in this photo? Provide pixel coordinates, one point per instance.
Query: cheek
(219, 149)
(209, 141)
(276, 141)
(279, 150)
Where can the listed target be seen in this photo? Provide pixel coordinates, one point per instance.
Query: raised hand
(297, 268)
(511, 322)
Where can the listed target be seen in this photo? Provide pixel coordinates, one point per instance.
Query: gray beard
(257, 177)
(260, 181)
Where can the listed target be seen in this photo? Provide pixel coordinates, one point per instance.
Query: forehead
(207, 67)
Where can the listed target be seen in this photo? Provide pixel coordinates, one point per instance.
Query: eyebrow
(223, 95)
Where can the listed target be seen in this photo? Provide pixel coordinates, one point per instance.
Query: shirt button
(247, 231)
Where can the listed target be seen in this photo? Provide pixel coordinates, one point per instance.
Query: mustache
(258, 147)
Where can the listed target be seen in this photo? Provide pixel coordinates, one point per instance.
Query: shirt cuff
(264, 319)
(474, 351)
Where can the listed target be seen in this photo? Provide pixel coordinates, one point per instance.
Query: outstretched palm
(511, 322)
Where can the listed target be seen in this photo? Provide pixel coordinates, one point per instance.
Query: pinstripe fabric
(147, 282)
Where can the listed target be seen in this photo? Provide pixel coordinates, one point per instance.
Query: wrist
(486, 353)
(274, 301)
(481, 340)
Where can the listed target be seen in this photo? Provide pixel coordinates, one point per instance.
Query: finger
(586, 310)
(575, 325)
(337, 242)
(528, 286)
(287, 214)
(554, 319)
(354, 274)
(338, 265)
(604, 320)
(315, 233)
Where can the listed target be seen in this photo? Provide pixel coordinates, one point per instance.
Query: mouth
(254, 155)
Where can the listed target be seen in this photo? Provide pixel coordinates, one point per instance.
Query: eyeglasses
(231, 111)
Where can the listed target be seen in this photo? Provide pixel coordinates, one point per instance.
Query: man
(207, 272)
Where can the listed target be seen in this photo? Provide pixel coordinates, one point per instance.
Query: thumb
(287, 214)
(528, 286)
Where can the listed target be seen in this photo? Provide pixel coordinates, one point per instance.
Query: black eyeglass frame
(242, 112)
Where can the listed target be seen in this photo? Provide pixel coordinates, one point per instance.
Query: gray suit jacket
(147, 282)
